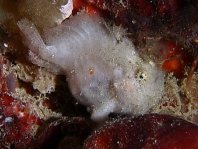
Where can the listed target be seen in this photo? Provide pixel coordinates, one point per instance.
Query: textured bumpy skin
(104, 71)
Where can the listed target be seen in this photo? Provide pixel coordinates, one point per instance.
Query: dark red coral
(65, 133)
(148, 131)
(16, 118)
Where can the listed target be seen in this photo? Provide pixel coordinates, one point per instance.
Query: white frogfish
(103, 69)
